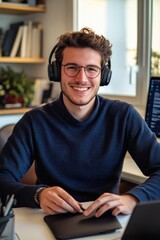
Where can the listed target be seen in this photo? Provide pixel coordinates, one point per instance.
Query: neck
(79, 112)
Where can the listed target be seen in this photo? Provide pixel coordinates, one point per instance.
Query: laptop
(74, 225)
(144, 223)
(152, 114)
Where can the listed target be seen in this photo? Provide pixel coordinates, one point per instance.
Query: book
(37, 40)
(17, 43)
(9, 38)
(29, 39)
(37, 98)
(41, 87)
(34, 41)
(40, 50)
(32, 3)
(4, 42)
(16, 3)
(23, 50)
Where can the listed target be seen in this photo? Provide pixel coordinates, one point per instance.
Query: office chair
(5, 132)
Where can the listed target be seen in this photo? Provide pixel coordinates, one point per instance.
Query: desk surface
(131, 171)
(29, 224)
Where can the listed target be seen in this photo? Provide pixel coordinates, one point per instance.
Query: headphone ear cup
(106, 74)
(54, 73)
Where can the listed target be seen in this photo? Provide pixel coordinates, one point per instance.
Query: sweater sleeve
(145, 151)
(15, 159)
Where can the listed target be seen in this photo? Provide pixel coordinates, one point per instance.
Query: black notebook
(69, 225)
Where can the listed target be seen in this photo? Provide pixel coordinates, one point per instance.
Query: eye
(71, 67)
(92, 69)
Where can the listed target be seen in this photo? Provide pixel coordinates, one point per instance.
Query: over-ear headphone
(54, 70)
(106, 74)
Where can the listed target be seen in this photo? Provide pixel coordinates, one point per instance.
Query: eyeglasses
(72, 70)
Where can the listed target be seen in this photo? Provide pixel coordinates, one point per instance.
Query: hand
(116, 203)
(55, 200)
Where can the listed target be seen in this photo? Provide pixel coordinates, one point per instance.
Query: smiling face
(80, 90)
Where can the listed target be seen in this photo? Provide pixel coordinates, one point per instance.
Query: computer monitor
(152, 115)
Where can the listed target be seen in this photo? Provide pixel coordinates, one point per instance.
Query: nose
(81, 76)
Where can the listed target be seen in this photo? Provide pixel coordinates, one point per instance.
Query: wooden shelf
(20, 10)
(22, 60)
(14, 111)
(7, 8)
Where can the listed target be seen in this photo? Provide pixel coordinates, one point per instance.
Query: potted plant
(15, 87)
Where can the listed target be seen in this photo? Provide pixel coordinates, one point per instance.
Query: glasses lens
(71, 70)
(92, 71)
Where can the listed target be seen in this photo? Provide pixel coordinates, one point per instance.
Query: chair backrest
(5, 132)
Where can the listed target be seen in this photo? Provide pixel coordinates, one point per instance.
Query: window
(126, 23)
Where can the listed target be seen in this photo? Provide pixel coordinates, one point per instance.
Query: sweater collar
(66, 114)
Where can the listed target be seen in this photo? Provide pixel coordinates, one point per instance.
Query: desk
(29, 225)
(131, 171)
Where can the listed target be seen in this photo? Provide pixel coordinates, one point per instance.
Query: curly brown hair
(86, 37)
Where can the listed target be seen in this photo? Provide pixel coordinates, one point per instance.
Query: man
(79, 141)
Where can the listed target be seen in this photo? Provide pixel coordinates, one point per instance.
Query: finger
(51, 211)
(56, 209)
(58, 203)
(99, 202)
(49, 206)
(121, 209)
(65, 200)
(108, 206)
(81, 207)
(52, 200)
(72, 202)
(116, 211)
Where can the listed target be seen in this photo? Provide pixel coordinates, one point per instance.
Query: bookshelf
(13, 111)
(21, 60)
(21, 9)
(6, 8)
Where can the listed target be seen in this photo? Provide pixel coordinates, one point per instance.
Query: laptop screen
(152, 116)
(144, 222)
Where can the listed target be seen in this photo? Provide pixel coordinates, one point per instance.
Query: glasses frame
(79, 69)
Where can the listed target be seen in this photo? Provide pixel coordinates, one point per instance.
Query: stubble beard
(78, 103)
(84, 103)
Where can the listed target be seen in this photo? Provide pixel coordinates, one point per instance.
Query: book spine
(17, 42)
(29, 39)
(32, 3)
(10, 38)
(23, 52)
(37, 40)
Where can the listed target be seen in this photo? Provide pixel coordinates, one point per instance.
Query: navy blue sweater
(85, 158)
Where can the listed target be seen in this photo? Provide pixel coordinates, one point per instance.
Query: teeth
(80, 89)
